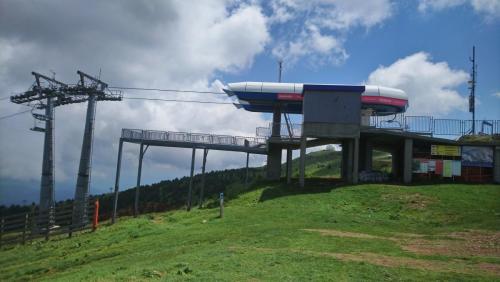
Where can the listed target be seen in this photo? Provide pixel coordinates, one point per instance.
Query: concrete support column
(496, 165)
(355, 160)
(365, 155)
(407, 162)
(349, 160)
(397, 163)
(190, 192)
(276, 126)
(274, 150)
(302, 167)
(289, 165)
(343, 163)
(273, 162)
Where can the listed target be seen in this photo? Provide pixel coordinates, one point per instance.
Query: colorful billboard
(445, 150)
(477, 156)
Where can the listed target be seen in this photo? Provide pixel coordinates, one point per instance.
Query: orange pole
(95, 222)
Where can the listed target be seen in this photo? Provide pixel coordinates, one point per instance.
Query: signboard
(445, 150)
(331, 112)
(477, 156)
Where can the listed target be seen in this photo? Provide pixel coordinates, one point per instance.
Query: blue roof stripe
(336, 88)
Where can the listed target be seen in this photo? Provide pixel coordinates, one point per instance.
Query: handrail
(203, 138)
(426, 125)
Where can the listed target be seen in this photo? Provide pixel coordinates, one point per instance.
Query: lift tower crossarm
(39, 75)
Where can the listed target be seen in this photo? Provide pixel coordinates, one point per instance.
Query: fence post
(26, 217)
(95, 222)
(32, 220)
(47, 231)
(1, 230)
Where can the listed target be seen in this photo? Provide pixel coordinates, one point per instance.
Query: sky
(419, 46)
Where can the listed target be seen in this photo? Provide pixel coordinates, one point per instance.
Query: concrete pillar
(349, 160)
(343, 165)
(273, 162)
(407, 162)
(496, 165)
(365, 155)
(355, 160)
(397, 162)
(117, 181)
(302, 167)
(276, 126)
(274, 150)
(289, 165)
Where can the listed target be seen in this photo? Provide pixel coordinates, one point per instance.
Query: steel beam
(246, 171)
(47, 199)
(302, 167)
(202, 189)
(138, 184)
(117, 181)
(80, 208)
(190, 192)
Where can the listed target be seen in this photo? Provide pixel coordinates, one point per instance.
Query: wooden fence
(24, 227)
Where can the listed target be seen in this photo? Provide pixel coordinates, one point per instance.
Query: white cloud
(431, 86)
(173, 44)
(497, 94)
(318, 48)
(317, 29)
(489, 8)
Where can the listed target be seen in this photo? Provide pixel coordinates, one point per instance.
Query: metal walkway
(253, 145)
(193, 141)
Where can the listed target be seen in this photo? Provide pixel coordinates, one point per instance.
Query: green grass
(327, 163)
(262, 237)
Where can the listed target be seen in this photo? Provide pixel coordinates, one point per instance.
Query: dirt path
(469, 243)
(455, 266)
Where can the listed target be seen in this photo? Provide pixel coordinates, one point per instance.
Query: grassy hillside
(279, 232)
(172, 194)
(327, 163)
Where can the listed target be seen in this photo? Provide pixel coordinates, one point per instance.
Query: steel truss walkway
(146, 138)
(253, 145)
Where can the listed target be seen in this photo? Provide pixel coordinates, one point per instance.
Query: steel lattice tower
(46, 97)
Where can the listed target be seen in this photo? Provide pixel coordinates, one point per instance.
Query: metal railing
(155, 135)
(425, 125)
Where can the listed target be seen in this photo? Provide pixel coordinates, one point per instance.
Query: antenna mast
(472, 88)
